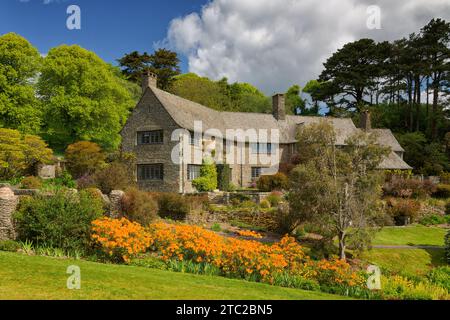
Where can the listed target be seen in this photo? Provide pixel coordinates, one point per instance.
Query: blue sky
(109, 28)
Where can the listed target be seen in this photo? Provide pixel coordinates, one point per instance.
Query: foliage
(173, 206)
(84, 158)
(434, 219)
(447, 247)
(220, 95)
(337, 189)
(440, 276)
(9, 245)
(120, 238)
(20, 154)
(139, 206)
(223, 177)
(401, 209)
(85, 98)
(61, 220)
(401, 288)
(114, 176)
(265, 204)
(275, 198)
(268, 183)
(442, 191)
(409, 188)
(20, 108)
(208, 177)
(164, 63)
(31, 182)
(294, 103)
(64, 179)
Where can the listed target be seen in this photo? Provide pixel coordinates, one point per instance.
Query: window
(261, 148)
(150, 137)
(256, 172)
(193, 140)
(193, 171)
(150, 172)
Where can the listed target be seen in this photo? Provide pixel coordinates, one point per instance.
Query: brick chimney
(278, 107)
(149, 79)
(365, 122)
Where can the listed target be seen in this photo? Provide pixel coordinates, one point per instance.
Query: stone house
(149, 134)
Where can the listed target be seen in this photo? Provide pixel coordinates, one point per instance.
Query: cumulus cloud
(276, 43)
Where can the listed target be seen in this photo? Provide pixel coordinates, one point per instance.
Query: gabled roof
(185, 112)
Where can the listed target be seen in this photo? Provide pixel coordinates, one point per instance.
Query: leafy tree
(84, 98)
(19, 65)
(312, 88)
(20, 154)
(337, 188)
(294, 103)
(84, 158)
(134, 65)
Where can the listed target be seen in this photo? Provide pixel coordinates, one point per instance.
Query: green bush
(224, 177)
(267, 183)
(442, 191)
(447, 247)
(65, 179)
(9, 245)
(115, 176)
(31, 182)
(409, 188)
(216, 227)
(139, 206)
(274, 198)
(434, 219)
(297, 282)
(264, 204)
(440, 276)
(173, 206)
(62, 220)
(447, 208)
(208, 177)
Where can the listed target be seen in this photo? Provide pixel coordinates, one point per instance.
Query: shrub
(84, 158)
(264, 204)
(65, 179)
(269, 183)
(62, 220)
(173, 206)
(139, 206)
(223, 177)
(21, 153)
(409, 188)
(447, 247)
(216, 227)
(274, 198)
(434, 219)
(115, 176)
(119, 238)
(208, 177)
(86, 181)
(401, 288)
(442, 191)
(31, 182)
(403, 210)
(9, 246)
(447, 208)
(440, 276)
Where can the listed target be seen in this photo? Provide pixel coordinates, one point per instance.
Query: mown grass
(411, 235)
(410, 261)
(35, 277)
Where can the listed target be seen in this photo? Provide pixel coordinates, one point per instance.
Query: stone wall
(8, 205)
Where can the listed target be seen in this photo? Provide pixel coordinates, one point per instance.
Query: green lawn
(411, 235)
(33, 277)
(411, 261)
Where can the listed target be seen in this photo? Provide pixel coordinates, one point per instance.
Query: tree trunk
(342, 237)
(418, 102)
(434, 116)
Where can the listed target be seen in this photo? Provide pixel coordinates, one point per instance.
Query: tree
(19, 65)
(351, 72)
(337, 188)
(294, 103)
(164, 63)
(84, 98)
(20, 154)
(134, 65)
(84, 158)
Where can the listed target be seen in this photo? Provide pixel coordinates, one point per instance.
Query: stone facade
(8, 204)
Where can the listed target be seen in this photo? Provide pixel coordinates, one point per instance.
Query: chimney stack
(365, 122)
(149, 79)
(278, 107)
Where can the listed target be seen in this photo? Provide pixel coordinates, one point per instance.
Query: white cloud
(275, 43)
